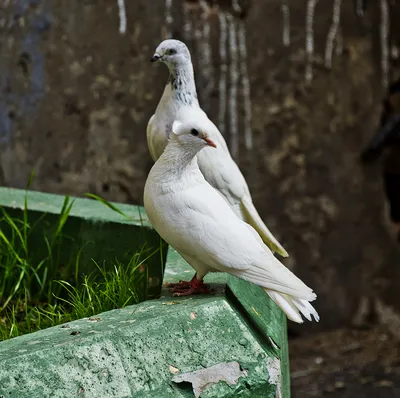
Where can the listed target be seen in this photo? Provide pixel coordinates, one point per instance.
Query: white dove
(194, 218)
(218, 167)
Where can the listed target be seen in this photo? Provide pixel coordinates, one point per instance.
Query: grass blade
(108, 204)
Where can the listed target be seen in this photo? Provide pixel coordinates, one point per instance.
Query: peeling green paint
(129, 352)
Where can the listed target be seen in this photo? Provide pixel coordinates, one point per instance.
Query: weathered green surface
(93, 230)
(129, 352)
(136, 351)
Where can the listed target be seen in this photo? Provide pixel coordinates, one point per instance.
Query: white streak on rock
(311, 4)
(122, 16)
(332, 34)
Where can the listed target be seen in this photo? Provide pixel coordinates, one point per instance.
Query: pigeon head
(191, 136)
(172, 53)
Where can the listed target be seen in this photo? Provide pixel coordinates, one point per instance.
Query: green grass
(99, 291)
(32, 294)
(19, 270)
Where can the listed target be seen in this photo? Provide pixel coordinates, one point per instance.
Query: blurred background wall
(296, 87)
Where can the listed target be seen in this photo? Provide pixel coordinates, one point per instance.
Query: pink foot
(185, 288)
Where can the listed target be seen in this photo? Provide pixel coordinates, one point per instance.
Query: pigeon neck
(181, 82)
(178, 159)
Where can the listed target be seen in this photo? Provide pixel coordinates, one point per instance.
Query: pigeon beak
(155, 58)
(209, 142)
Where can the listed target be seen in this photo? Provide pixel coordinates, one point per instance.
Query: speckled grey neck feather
(182, 83)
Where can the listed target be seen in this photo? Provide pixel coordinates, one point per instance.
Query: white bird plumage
(194, 219)
(179, 102)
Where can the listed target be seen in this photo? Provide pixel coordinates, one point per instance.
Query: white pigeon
(179, 100)
(194, 218)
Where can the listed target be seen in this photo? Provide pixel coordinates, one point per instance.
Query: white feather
(293, 306)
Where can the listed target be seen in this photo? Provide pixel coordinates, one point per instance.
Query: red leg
(184, 288)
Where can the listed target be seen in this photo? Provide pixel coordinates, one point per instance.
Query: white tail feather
(306, 309)
(292, 306)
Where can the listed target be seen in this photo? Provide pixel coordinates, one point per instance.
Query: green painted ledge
(138, 350)
(92, 229)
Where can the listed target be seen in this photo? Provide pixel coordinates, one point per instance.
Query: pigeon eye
(194, 132)
(171, 51)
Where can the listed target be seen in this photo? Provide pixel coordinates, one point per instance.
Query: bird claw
(192, 290)
(187, 288)
(180, 284)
